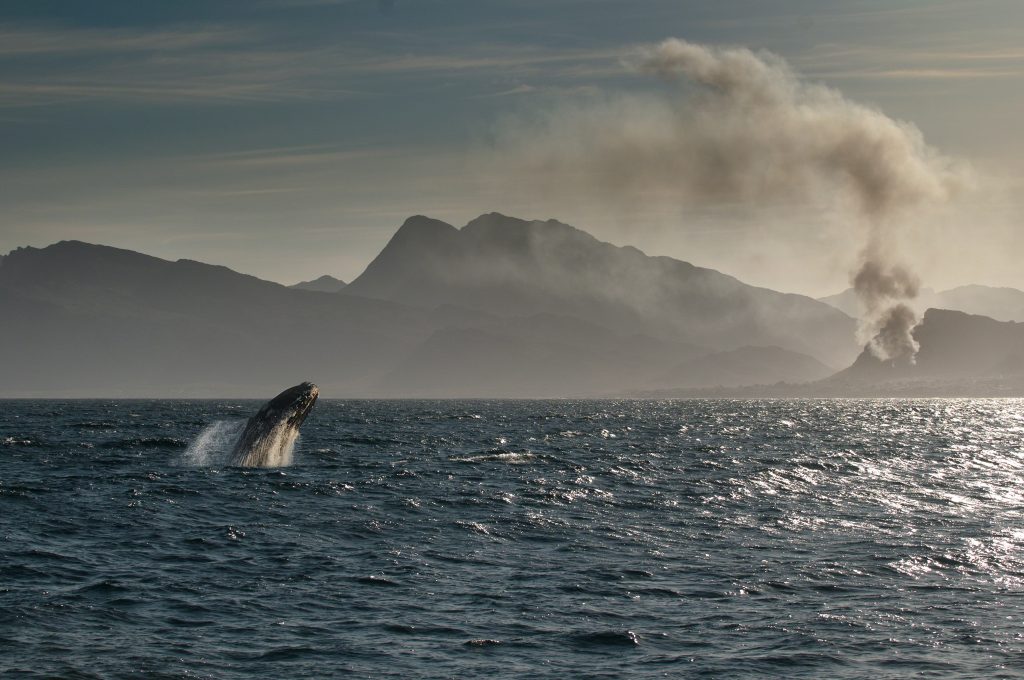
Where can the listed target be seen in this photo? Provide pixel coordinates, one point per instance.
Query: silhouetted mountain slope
(500, 308)
(324, 284)
(509, 267)
(88, 320)
(94, 320)
(954, 346)
(1002, 304)
(538, 356)
(961, 355)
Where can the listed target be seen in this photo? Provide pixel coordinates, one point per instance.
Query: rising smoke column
(754, 133)
(814, 135)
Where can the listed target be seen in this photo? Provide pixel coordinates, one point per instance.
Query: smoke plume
(753, 133)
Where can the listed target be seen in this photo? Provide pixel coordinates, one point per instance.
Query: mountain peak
(511, 235)
(322, 284)
(423, 227)
(509, 266)
(495, 221)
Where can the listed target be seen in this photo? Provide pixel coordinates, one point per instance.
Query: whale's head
(269, 435)
(293, 405)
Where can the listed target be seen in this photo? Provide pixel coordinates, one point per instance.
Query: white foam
(280, 449)
(213, 445)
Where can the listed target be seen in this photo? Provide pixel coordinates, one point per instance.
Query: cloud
(24, 41)
(295, 156)
(876, 62)
(52, 65)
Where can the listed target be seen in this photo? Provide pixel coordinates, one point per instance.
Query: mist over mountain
(323, 284)
(500, 308)
(1002, 304)
(507, 266)
(541, 354)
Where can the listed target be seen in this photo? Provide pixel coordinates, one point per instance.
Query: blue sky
(289, 138)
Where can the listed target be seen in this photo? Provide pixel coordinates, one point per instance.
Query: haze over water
(555, 538)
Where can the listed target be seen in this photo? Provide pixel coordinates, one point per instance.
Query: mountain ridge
(510, 266)
(1001, 303)
(322, 284)
(509, 308)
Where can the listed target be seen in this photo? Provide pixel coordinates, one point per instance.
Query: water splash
(213, 445)
(278, 449)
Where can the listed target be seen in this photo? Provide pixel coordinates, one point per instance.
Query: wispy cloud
(909, 62)
(41, 40)
(492, 58)
(212, 65)
(59, 65)
(293, 156)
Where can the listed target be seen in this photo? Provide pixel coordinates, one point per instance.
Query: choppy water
(437, 539)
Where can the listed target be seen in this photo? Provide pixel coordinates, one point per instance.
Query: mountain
(538, 355)
(847, 302)
(499, 308)
(93, 320)
(510, 267)
(1002, 304)
(88, 320)
(324, 284)
(960, 354)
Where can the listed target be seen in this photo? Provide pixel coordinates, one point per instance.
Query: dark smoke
(887, 323)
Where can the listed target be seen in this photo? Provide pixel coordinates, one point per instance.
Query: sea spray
(269, 436)
(280, 450)
(213, 444)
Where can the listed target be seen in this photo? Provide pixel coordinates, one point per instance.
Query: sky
(290, 138)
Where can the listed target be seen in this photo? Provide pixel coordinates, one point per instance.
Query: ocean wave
(498, 456)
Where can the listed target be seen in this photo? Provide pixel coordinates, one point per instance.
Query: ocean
(599, 539)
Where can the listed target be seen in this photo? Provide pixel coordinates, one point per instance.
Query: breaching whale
(269, 435)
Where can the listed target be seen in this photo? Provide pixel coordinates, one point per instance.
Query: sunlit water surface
(558, 538)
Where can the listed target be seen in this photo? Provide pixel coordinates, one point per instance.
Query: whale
(269, 436)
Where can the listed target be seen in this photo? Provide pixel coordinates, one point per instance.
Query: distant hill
(91, 320)
(959, 353)
(510, 267)
(88, 320)
(543, 354)
(500, 308)
(324, 284)
(1002, 304)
